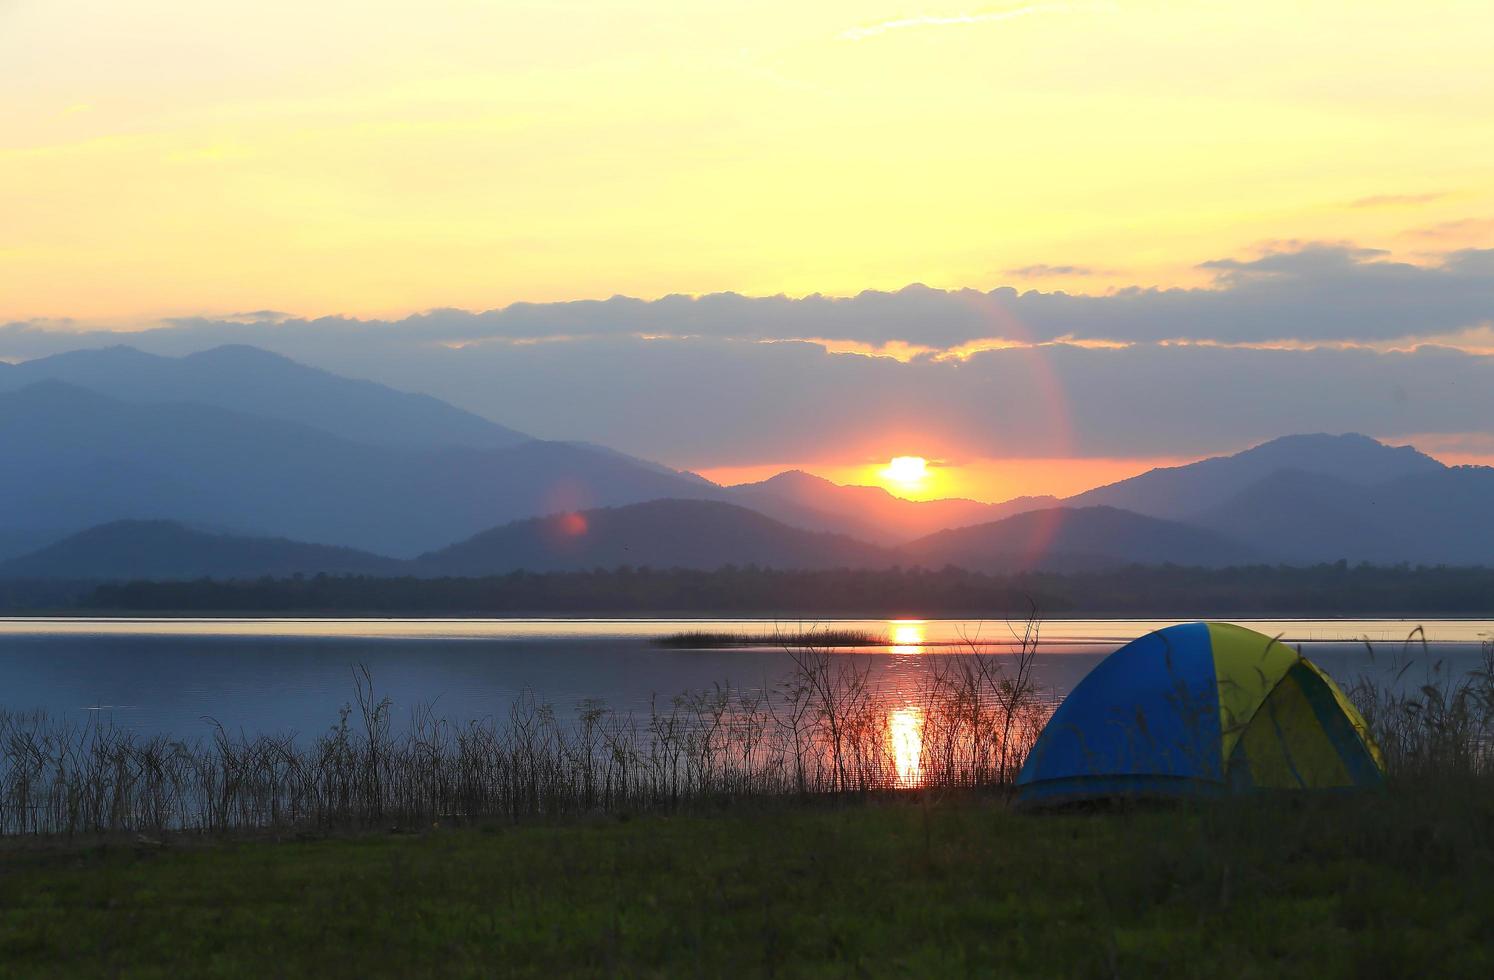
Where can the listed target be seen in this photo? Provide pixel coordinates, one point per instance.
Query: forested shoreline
(1331, 589)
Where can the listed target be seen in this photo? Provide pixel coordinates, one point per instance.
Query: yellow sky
(166, 157)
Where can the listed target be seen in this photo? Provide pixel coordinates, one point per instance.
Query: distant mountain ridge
(1315, 498)
(680, 533)
(871, 512)
(256, 382)
(239, 439)
(702, 534)
(1076, 538)
(1440, 517)
(76, 458)
(1179, 492)
(148, 473)
(698, 534)
(166, 550)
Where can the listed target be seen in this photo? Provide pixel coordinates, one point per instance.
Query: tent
(1200, 709)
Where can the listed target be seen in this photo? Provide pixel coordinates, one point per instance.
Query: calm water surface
(276, 675)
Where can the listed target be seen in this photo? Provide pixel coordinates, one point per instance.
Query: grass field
(1388, 884)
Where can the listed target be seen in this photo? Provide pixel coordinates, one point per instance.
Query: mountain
(238, 439)
(670, 533)
(255, 382)
(1435, 517)
(1444, 516)
(1291, 517)
(75, 458)
(1320, 498)
(1309, 517)
(596, 447)
(1068, 539)
(659, 534)
(868, 512)
(165, 550)
(16, 541)
(1180, 492)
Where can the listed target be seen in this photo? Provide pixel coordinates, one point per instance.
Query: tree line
(1330, 589)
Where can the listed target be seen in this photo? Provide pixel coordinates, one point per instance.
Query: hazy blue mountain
(1440, 516)
(1309, 517)
(20, 540)
(167, 550)
(1066, 538)
(660, 534)
(1446, 516)
(831, 515)
(868, 512)
(235, 438)
(75, 459)
(647, 463)
(1180, 492)
(256, 382)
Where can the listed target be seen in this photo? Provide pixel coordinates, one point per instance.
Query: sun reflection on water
(905, 729)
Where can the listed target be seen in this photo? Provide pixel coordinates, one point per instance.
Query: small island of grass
(820, 639)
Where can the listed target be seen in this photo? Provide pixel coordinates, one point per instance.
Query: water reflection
(1059, 635)
(905, 729)
(168, 676)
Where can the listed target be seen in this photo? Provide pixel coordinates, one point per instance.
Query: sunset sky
(1271, 246)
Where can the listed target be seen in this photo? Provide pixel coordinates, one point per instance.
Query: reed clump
(817, 639)
(1436, 727)
(825, 729)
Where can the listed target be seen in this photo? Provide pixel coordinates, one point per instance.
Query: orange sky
(990, 480)
(994, 481)
(166, 159)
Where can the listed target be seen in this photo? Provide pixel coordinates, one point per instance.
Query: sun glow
(978, 478)
(905, 731)
(907, 638)
(907, 472)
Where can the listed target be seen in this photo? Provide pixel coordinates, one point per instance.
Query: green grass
(1394, 884)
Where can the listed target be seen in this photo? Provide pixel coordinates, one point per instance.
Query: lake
(171, 676)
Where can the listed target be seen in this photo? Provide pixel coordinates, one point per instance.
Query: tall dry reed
(825, 729)
(1435, 726)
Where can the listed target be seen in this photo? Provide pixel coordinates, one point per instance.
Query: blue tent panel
(1149, 710)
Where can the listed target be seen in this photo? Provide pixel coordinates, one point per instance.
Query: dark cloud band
(694, 380)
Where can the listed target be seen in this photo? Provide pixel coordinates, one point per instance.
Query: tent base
(1089, 789)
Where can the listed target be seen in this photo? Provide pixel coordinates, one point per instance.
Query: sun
(907, 472)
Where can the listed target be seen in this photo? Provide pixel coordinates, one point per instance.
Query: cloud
(720, 402)
(713, 402)
(259, 316)
(1043, 271)
(1304, 337)
(1466, 229)
(1298, 294)
(1297, 259)
(967, 20)
(1398, 200)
